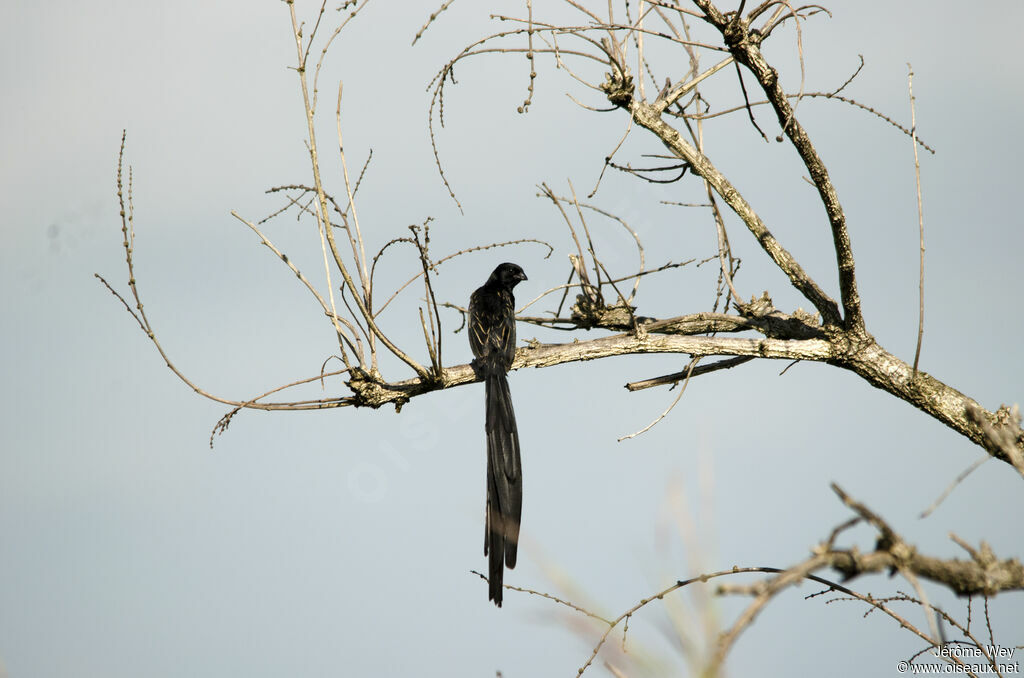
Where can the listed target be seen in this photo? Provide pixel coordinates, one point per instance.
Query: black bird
(492, 337)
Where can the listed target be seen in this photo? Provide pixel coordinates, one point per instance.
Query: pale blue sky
(341, 542)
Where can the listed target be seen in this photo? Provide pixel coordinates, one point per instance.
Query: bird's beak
(521, 276)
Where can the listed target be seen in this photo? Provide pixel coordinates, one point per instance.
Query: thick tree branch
(374, 393)
(983, 574)
(887, 372)
(857, 353)
(962, 577)
(759, 315)
(745, 46)
(647, 116)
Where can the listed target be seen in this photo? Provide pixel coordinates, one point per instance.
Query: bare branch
(324, 222)
(686, 381)
(956, 481)
(1000, 432)
(431, 19)
(920, 219)
(675, 377)
(646, 116)
(745, 47)
(984, 574)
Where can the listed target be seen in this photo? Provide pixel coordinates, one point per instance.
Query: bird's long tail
(504, 482)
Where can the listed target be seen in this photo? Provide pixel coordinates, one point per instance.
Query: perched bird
(492, 337)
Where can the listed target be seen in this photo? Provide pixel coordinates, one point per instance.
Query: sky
(342, 542)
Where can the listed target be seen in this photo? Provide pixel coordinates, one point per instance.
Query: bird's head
(507, 275)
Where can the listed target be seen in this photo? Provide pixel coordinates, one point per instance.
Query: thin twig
(686, 381)
(956, 481)
(819, 95)
(323, 221)
(434, 265)
(127, 215)
(430, 20)
(920, 220)
(357, 346)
